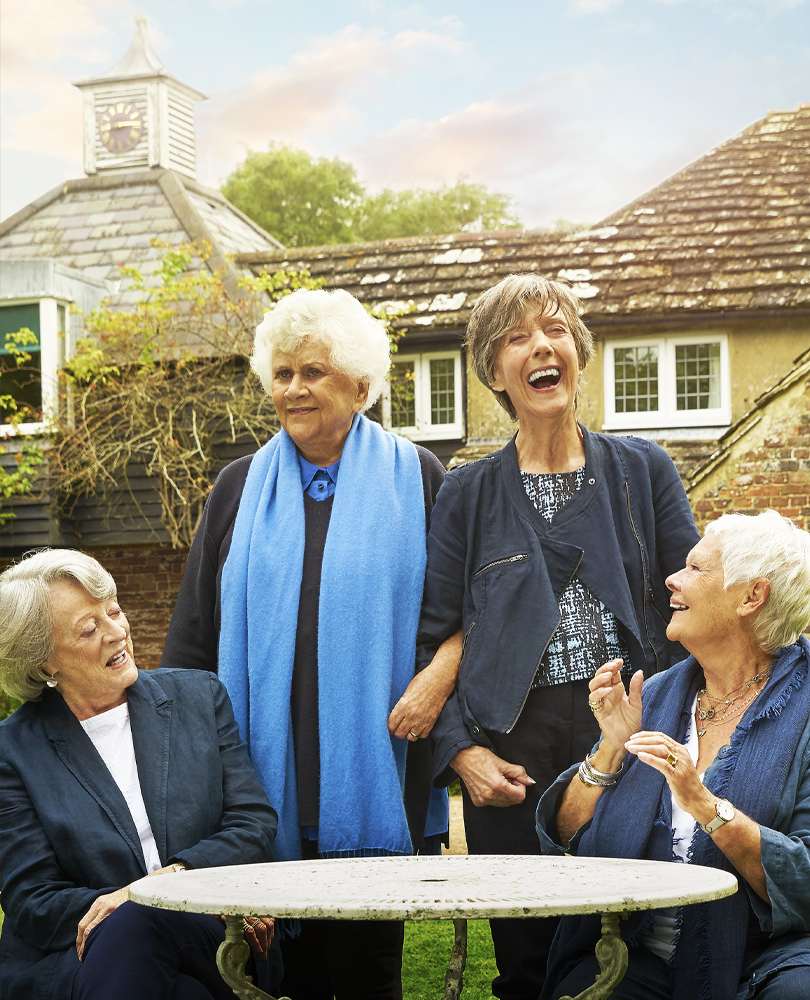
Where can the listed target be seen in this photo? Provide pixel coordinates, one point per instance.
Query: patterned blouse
(588, 634)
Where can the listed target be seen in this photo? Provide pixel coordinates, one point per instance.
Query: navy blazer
(67, 833)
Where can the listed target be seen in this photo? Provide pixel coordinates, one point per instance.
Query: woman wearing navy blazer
(109, 774)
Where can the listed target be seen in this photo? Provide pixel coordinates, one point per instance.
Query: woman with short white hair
(709, 763)
(302, 590)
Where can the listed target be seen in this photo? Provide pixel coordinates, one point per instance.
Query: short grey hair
(358, 344)
(26, 611)
(503, 306)
(770, 546)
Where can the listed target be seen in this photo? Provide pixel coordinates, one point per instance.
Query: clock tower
(138, 115)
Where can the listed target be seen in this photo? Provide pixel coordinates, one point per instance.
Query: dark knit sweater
(193, 636)
(304, 689)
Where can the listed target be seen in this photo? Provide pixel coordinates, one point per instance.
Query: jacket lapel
(76, 751)
(150, 713)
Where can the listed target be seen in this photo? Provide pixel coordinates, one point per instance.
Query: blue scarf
(634, 820)
(371, 587)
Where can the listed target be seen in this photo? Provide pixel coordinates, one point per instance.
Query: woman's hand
(102, 907)
(617, 712)
(673, 761)
(490, 780)
(415, 714)
(259, 933)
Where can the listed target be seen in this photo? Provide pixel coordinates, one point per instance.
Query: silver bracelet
(602, 779)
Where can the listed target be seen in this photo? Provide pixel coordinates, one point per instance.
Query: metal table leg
(232, 957)
(611, 953)
(454, 977)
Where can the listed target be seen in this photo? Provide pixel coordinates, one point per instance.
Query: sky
(573, 108)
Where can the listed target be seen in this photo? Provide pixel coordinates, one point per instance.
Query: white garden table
(457, 887)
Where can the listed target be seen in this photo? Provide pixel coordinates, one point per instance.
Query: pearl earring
(52, 682)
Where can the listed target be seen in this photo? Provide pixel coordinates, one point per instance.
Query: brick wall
(766, 464)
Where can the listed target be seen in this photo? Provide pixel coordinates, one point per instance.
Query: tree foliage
(310, 202)
(462, 208)
(299, 200)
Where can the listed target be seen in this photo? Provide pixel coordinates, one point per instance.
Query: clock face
(120, 127)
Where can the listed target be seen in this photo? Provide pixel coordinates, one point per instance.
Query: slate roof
(730, 233)
(97, 223)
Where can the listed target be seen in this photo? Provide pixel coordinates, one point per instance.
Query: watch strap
(718, 820)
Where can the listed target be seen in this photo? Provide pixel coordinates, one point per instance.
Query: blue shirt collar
(309, 471)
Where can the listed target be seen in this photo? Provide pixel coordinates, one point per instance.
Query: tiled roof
(730, 233)
(97, 223)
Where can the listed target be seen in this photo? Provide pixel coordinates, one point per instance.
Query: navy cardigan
(68, 836)
(497, 569)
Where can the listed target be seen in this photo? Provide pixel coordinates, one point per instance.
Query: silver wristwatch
(725, 812)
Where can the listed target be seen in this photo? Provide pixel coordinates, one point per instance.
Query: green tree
(307, 202)
(299, 200)
(462, 208)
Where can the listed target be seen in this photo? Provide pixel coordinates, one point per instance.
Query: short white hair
(770, 546)
(358, 344)
(26, 610)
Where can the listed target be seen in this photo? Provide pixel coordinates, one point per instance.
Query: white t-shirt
(664, 933)
(111, 735)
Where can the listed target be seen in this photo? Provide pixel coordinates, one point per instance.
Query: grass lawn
(428, 944)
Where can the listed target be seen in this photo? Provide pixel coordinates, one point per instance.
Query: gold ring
(413, 735)
(596, 706)
(672, 760)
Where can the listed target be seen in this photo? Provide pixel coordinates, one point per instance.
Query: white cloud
(315, 94)
(42, 111)
(505, 134)
(592, 6)
(527, 144)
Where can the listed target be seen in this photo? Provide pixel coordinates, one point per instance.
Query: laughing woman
(708, 764)
(551, 554)
(109, 774)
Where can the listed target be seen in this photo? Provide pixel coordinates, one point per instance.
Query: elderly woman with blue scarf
(302, 590)
(708, 763)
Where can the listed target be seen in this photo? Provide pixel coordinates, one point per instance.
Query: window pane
(20, 375)
(442, 391)
(635, 372)
(403, 395)
(697, 379)
(24, 384)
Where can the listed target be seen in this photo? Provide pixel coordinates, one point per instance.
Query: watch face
(120, 127)
(725, 810)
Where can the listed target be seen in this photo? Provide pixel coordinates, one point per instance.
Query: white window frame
(423, 429)
(52, 353)
(667, 416)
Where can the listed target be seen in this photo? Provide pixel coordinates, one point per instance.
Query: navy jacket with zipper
(497, 570)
